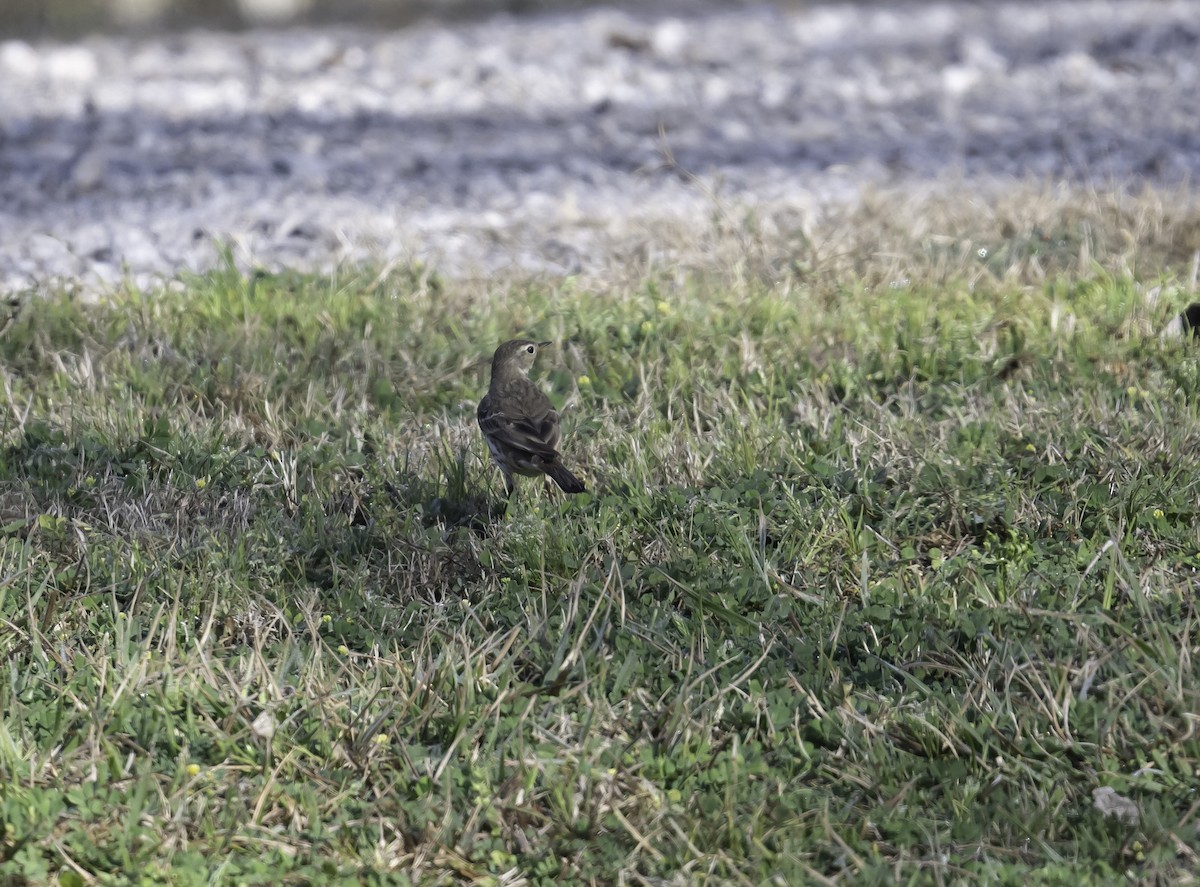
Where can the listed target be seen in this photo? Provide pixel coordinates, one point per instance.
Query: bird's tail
(566, 481)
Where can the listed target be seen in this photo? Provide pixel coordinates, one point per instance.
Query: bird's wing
(521, 418)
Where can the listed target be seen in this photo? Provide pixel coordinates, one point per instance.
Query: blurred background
(141, 138)
(72, 18)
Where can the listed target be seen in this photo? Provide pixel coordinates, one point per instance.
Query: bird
(519, 423)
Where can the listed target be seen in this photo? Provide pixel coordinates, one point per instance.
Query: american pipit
(518, 421)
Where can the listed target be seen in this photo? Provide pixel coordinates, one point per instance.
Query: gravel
(560, 142)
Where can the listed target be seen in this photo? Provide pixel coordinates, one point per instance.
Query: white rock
(91, 240)
(978, 53)
(87, 173)
(1106, 800)
(960, 79)
(136, 249)
(70, 63)
(50, 254)
(669, 39)
(264, 725)
(19, 59)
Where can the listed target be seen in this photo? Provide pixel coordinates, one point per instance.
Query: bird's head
(516, 356)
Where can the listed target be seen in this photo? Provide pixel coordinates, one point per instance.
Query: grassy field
(887, 574)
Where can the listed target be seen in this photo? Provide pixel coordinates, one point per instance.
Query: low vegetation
(887, 571)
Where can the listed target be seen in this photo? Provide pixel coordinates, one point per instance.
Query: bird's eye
(529, 349)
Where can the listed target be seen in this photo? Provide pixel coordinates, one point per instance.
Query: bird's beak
(544, 344)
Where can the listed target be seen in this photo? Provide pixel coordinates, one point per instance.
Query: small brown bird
(518, 421)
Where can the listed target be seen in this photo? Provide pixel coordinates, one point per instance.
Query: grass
(889, 563)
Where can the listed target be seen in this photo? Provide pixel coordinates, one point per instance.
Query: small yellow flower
(647, 327)
(201, 483)
(1158, 514)
(343, 649)
(584, 382)
(193, 769)
(664, 308)
(326, 619)
(1131, 391)
(380, 739)
(1030, 448)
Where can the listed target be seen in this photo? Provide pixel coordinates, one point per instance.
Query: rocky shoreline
(551, 143)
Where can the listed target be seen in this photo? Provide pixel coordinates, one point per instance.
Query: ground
(886, 572)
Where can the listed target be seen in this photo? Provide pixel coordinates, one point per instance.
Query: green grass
(889, 561)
